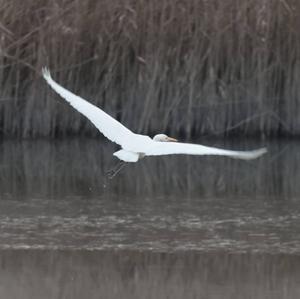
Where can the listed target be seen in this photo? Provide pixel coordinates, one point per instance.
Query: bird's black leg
(114, 171)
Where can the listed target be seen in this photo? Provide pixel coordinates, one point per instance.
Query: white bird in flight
(135, 146)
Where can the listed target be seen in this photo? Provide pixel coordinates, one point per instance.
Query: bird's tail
(127, 156)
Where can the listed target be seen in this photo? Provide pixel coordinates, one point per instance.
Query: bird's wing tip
(46, 73)
(260, 152)
(263, 150)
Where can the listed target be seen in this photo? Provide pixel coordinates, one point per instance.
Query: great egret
(136, 146)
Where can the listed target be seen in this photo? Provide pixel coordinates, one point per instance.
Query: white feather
(135, 145)
(127, 156)
(171, 148)
(108, 126)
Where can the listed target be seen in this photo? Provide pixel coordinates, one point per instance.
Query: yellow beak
(172, 139)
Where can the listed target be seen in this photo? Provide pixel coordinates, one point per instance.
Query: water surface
(56, 194)
(167, 227)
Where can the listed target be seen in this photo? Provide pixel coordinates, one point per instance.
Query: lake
(166, 227)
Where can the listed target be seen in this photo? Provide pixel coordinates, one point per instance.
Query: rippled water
(57, 195)
(207, 215)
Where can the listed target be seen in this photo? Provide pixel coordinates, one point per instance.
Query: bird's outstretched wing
(171, 148)
(107, 125)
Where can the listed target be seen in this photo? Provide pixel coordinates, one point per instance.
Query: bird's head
(164, 138)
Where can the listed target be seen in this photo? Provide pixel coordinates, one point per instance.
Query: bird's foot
(114, 171)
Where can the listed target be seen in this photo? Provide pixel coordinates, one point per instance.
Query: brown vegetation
(193, 67)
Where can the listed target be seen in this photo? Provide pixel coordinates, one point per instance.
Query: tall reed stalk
(189, 67)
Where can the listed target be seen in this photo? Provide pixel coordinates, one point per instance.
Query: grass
(190, 67)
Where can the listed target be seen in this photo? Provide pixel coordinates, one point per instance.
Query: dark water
(168, 227)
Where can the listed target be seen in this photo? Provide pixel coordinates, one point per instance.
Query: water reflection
(78, 167)
(55, 194)
(125, 274)
(168, 227)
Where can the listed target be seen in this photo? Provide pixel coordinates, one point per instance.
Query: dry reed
(188, 67)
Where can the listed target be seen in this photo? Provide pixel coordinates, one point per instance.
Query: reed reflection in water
(167, 227)
(79, 166)
(55, 194)
(35, 274)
